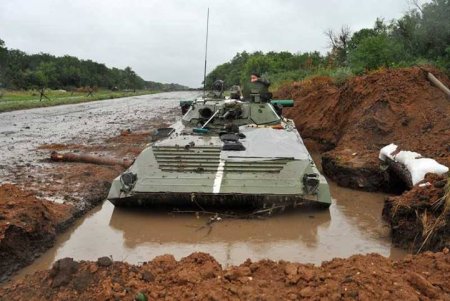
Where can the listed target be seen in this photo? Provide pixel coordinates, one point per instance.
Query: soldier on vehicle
(235, 92)
(258, 86)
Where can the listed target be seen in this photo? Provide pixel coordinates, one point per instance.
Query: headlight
(311, 182)
(128, 179)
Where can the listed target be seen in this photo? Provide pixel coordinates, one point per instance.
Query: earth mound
(199, 277)
(353, 121)
(420, 217)
(28, 226)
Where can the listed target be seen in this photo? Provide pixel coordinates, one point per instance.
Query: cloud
(164, 40)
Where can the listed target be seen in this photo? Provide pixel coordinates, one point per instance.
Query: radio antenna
(206, 53)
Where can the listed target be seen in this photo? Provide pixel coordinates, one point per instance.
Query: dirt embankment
(29, 223)
(200, 277)
(350, 123)
(28, 226)
(420, 218)
(353, 121)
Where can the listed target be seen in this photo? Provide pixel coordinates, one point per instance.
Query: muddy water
(352, 225)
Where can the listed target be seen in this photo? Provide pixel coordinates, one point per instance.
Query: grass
(429, 226)
(19, 100)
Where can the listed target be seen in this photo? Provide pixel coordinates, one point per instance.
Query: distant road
(21, 132)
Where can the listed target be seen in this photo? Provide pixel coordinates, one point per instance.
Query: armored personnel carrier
(225, 152)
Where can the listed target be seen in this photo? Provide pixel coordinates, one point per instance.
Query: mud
(70, 189)
(200, 277)
(351, 122)
(420, 218)
(28, 226)
(353, 224)
(299, 236)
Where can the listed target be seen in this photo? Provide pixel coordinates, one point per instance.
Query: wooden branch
(438, 83)
(85, 158)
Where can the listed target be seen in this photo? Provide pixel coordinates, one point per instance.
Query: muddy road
(22, 132)
(38, 198)
(43, 213)
(353, 225)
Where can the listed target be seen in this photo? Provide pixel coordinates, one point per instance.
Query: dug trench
(322, 112)
(350, 122)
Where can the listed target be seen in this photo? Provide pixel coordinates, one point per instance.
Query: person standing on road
(42, 95)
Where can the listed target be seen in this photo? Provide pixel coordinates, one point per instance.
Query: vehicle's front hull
(274, 170)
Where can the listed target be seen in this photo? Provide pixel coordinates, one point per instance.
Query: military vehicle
(225, 151)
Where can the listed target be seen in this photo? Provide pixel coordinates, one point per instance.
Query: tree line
(156, 86)
(421, 36)
(19, 70)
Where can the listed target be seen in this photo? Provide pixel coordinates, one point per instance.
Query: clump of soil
(28, 226)
(200, 277)
(355, 120)
(420, 218)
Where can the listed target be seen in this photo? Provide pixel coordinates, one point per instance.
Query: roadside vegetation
(21, 71)
(26, 99)
(420, 37)
(63, 80)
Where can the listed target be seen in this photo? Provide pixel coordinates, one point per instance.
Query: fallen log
(85, 158)
(135, 133)
(438, 84)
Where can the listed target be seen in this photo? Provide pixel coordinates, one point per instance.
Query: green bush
(374, 52)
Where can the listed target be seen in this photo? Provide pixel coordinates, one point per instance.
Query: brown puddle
(353, 225)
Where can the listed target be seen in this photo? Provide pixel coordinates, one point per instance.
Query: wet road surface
(21, 132)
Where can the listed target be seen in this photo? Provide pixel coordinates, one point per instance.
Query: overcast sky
(164, 40)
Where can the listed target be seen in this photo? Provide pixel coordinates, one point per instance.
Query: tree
(376, 51)
(434, 29)
(280, 66)
(405, 31)
(339, 44)
(3, 55)
(262, 64)
(19, 70)
(15, 70)
(229, 72)
(359, 36)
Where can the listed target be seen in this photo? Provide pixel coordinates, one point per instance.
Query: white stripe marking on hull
(219, 177)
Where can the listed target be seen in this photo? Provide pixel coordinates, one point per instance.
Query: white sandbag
(417, 166)
(387, 151)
